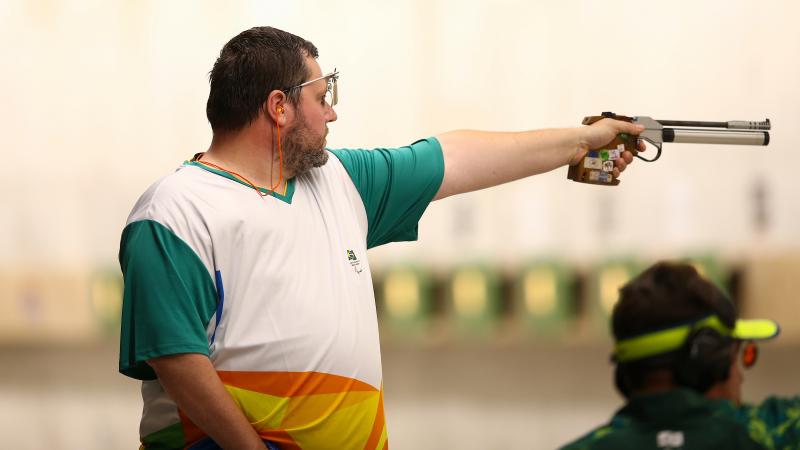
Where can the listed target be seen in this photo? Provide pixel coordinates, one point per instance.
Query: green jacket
(683, 419)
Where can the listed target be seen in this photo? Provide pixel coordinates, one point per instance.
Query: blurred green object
(105, 296)
(407, 300)
(543, 297)
(474, 300)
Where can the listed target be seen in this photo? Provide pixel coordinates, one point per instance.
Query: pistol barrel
(691, 136)
(731, 125)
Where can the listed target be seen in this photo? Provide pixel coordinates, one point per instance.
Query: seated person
(679, 347)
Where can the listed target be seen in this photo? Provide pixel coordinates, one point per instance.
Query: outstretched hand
(601, 133)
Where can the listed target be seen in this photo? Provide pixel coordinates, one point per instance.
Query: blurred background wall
(494, 322)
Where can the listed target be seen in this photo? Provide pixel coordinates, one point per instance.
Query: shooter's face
(304, 143)
(304, 147)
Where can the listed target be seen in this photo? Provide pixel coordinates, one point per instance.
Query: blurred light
(105, 295)
(540, 291)
(407, 300)
(469, 293)
(474, 296)
(401, 291)
(611, 280)
(609, 277)
(544, 297)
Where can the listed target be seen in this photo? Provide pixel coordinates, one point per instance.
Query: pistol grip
(597, 166)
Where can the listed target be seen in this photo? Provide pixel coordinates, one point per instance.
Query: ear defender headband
(671, 339)
(702, 351)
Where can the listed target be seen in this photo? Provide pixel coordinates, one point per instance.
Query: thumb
(580, 152)
(631, 128)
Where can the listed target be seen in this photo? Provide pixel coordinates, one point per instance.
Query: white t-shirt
(276, 290)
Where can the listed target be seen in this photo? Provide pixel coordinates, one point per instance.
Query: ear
(276, 107)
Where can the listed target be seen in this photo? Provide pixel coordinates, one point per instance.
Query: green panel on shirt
(396, 186)
(169, 298)
(169, 438)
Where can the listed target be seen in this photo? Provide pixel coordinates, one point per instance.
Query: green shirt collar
(285, 196)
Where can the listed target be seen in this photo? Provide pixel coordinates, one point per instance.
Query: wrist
(579, 145)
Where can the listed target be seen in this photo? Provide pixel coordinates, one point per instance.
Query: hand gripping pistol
(598, 164)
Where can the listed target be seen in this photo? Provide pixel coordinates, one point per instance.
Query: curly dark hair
(249, 67)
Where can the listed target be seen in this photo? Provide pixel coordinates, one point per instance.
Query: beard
(303, 150)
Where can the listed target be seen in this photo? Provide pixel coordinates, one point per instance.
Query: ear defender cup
(704, 359)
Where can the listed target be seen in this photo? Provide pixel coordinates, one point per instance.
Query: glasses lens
(329, 98)
(332, 96)
(336, 90)
(749, 354)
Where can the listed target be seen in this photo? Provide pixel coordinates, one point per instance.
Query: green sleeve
(396, 186)
(589, 440)
(168, 298)
(774, 423)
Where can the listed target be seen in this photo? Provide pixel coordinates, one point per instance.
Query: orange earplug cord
(280, 167)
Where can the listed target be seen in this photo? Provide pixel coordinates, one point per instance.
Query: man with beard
(248, 308)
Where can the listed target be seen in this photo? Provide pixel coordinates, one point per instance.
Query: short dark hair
(666, 295)
(249, 67)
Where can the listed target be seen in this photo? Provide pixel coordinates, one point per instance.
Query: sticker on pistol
(605, 177)
(608, 166)
(614, 153)
(593, 163)
(621, 148)
(594, 175)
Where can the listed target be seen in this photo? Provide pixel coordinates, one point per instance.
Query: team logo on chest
(669, 439)
(354, 261)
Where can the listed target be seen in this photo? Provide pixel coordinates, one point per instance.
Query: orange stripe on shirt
(291, 384)
(377, 426)
(191, 432)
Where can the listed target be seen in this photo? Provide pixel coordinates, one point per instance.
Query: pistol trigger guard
(657, 145)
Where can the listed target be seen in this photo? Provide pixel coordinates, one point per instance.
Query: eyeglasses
(331, 92)
(749, 354)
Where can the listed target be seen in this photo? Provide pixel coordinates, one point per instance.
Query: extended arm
(479, 159)
(191, 381)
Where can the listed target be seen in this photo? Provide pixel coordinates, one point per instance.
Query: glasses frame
(332, 87)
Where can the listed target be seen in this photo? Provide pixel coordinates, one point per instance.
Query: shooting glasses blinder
(332, 90)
